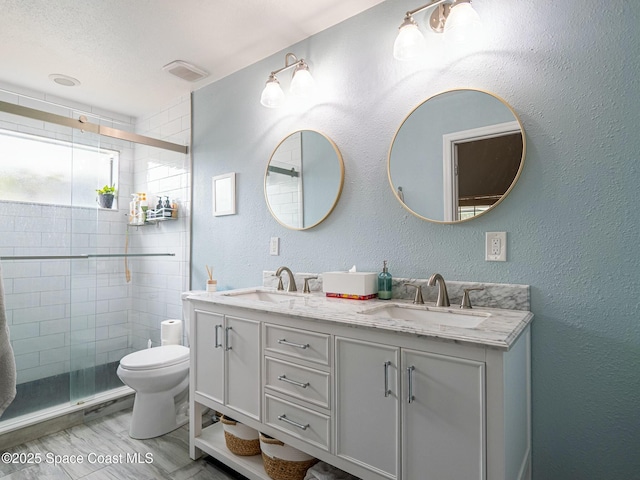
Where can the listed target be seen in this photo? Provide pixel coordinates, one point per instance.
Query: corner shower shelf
(158, 216)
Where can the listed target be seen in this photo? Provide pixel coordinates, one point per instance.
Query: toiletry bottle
(167, 207)
(134, 206)
(384, 283)
(158, 212)
(143, 207)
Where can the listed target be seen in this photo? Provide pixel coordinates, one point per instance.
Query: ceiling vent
(185, 71)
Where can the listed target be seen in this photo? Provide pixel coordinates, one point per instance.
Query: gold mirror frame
(515, 179)
(338, 157)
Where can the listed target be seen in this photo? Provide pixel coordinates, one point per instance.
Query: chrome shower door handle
(410, 370)
(387, 392)
(216, 341)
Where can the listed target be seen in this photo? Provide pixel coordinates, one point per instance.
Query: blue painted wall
(571, 71)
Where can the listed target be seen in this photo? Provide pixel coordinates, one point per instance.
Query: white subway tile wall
(158, 282)
(69, 314)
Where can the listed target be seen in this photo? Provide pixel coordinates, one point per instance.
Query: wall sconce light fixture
(458, 20)
(302, 83)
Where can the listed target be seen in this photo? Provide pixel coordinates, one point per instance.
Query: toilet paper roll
(171, 332)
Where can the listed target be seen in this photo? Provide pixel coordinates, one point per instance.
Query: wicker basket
(282, 468)
(240, 439)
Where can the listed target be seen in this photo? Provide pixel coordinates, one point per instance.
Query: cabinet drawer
(298, 421)
(299, 382)
(310, 346)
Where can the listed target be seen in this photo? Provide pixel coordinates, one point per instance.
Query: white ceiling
(117, 48)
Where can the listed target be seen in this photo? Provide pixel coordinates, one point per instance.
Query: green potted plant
(106, 195)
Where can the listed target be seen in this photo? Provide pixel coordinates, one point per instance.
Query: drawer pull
(216, 342)
(284, 418)
(387, 392)
(283, 341)
(410, 370)
(226, 338)
(283, 378)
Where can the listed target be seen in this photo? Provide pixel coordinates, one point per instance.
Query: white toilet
(160, 377)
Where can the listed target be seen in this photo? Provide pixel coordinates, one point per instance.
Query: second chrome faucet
(443, 296)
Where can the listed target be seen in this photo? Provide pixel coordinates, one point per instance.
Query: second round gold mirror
(456, 156)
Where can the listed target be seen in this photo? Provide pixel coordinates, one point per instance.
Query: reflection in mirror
(456, 156)
(304, 179)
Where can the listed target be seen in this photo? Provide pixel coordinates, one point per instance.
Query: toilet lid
(157, 357)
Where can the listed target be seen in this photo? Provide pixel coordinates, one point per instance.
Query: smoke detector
(185, 71)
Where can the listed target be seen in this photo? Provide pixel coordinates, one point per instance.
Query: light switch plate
(274, 246)
(496, 247)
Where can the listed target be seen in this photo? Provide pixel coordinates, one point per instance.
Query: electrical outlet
(274, 246)
(496, 247)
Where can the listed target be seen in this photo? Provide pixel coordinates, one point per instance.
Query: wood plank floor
(107, 452)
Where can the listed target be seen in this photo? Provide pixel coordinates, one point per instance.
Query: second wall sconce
(302, 83)
(458, 20)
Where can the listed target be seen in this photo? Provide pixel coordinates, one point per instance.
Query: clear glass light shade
(272, 95)
(463, 23)
(303, 86)
(410, 42)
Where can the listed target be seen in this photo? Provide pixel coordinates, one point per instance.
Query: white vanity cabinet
(227, 361)
(435, 401)
(378, 403)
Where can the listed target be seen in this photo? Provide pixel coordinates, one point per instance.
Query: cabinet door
(367, 406)
(243, 381)
(207, 339)
(443, 417)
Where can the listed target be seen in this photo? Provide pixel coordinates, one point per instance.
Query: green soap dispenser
(384, 283)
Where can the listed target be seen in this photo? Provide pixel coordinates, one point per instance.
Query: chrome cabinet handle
(216, 343)
(410, 370)
(226, 338)
(387, 392)
(283, 341)
(284, 418)
(283, 378)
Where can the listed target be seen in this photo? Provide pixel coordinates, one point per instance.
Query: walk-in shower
(82, 286)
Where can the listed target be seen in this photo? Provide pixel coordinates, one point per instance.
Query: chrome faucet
(443, 296)
(292, 283)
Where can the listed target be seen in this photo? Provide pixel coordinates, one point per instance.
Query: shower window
(42, 170)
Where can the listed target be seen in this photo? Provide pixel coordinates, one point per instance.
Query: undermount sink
(262, 296)
(447, 317)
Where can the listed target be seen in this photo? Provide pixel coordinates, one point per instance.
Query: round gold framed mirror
(456, 156)
(303, 180)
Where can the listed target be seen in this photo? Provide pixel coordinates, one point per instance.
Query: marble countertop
(498, 329)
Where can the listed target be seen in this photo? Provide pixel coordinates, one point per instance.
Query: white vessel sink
(436, 315)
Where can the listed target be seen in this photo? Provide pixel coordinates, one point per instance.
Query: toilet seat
(154, 358)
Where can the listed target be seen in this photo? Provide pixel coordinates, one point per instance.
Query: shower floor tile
(107, 452)
(53, 391)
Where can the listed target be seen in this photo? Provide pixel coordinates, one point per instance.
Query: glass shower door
(83, 271)
(99, 333)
